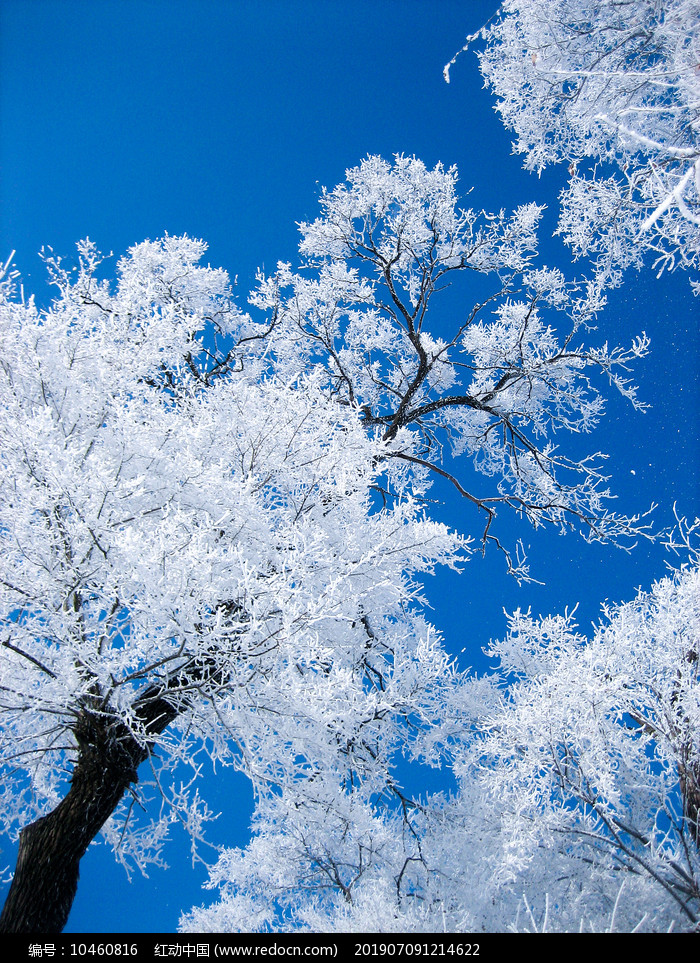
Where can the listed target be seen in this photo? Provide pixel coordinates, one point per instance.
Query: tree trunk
(50, 849)
(689, 773)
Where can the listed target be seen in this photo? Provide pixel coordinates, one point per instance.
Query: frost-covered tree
(493, 378)
(594, 761)
(577, 806)
(612, 87)
(211, 528)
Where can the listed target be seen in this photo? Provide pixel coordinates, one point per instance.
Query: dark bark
(108, 756)
(688, 763)
(50, 849)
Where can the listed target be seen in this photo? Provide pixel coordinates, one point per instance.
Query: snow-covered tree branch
(494, 383)
(613, 89)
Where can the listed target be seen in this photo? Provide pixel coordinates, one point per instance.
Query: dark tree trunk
(689, 765)
(50, 849)
(689, 773)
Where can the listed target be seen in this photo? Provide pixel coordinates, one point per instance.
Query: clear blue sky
(123, 119)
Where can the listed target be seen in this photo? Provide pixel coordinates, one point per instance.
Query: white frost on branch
(612, 88)
(495, 381)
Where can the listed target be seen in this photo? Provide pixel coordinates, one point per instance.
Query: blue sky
(124, 119)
